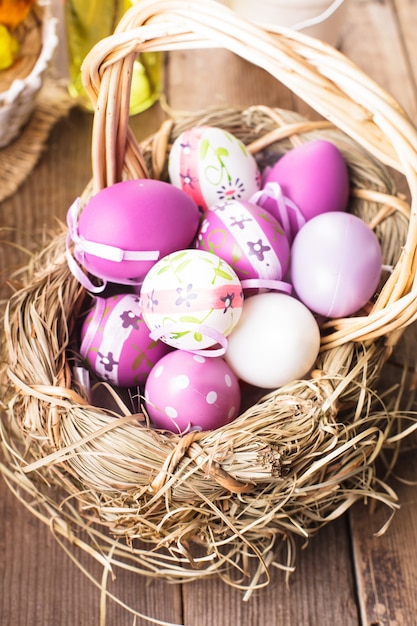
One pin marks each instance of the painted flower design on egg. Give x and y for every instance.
(185, 295)
(151, 301)
(129, 318)
(257, 248)
(228, 301)
(188, 179)
(232, 191)
(240, 222)
(250, 240)
(108, 361)
(115, 341)
(186, 147)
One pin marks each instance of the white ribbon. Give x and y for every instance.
(266, 283)
(104, 251)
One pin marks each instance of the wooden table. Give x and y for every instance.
(345, 575)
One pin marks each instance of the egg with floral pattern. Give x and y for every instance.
(115, 341)
(191, 299)
(211, 164)
(250, 239)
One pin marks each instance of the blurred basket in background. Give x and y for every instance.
(20, 83)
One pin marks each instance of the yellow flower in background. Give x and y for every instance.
(12, 12)
(8, 47)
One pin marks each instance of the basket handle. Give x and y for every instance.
(313, 70)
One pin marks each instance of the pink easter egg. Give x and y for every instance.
(249, 238)
(125, 228)
(314, 177)
(191, 299)
(115, 341)
(211, 165)
(336, 264)
(186, 391)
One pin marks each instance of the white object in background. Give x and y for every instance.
(318, 18)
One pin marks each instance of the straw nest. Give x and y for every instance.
(21, 82)
(298, 456)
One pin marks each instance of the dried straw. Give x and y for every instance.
(211, 503)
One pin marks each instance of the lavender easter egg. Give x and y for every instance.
(185, 391)
(125, 228)
(314, 177)
(191, 299)
(336, 264)
(248, 238)
(115, 341)
(210, 164)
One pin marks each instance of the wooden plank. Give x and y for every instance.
(39, 583)
(41, 586)
(321, 591)
(372, 39)
(386, 566)
(233, 82)
(406, 15)
(380, 38)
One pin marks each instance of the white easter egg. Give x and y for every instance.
(276, 341)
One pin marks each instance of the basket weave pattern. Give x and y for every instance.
(297, 457)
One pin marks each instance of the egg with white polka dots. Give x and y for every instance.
(211, 165)
(186, 391)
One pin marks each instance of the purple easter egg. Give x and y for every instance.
(186, 391)
(336, 264)
(115, 341)
(248, 238)
(125, 228)
(314, 177)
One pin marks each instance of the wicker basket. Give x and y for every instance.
(20, 84)
(188, 507)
